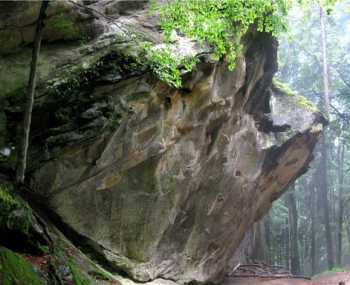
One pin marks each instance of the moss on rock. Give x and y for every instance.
(65, 26)
(301, 101)
(10, 40)
(14, 269)
(78, 277)
(15, 214)
(83, 75)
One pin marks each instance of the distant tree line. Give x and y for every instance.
(308, 229)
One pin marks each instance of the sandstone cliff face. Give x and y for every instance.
(162, 182)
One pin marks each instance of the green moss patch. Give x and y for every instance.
(301, 101)
(64, 24)
(14, 269)
(83, 76)
(15, 214)
(283, 88)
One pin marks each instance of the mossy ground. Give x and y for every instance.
(330, 272)
(14, 269)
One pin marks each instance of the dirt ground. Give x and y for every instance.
(254, 281)
(333, 279)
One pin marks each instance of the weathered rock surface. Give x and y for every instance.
(163, 182)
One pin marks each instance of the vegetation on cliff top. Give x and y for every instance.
(221, 24)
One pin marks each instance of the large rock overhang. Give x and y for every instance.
(163, 182)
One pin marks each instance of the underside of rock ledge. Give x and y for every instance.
(160, 182)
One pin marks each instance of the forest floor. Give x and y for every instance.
(328, 279)
(331, 279)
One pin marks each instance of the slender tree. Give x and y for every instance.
(267, 226)
(347, 221)
(24, 143)
(286, 245)
(260, 247)
(323, 182)
(341, 202)
(313, 229)
(293, 230)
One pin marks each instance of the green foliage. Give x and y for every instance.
(15, 214)
(219, 23)
(14, 269)
(166, 65)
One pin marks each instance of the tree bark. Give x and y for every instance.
(323, 192)
(325, 63)
(288, 245)
(293, 229)
(23, 147)
(341, 203)
(347, 221)
(260, 246)
(313, 230)
(323, 181)
(270, 251)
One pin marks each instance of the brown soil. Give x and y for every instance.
(333, 279)
(257, 281)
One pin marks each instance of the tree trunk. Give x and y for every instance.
(341, 203)
(286, 244)
(23, 147)
(293, 228)
(347, 220)
(260, 250)
(323, 181)
(325, 63)
(323, 192)
(313, 230)
(270, 251)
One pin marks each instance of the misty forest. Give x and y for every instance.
(175, 142)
